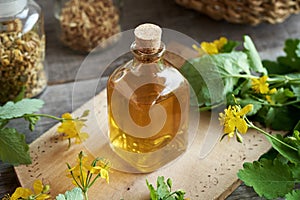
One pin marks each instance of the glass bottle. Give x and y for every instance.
(83, 25)
(148, 105)
(22, 49)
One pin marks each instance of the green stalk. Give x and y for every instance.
(81, 175)
(69, 167)
(85, 195)
(251, 125)
(45, 115)
(92, 183)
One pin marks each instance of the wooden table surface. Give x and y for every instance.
(63, 63)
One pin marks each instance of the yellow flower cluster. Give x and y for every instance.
(71, 128)
(211, 47)
(233, 119)
(82, 172)
(261, 86)
(40, 192)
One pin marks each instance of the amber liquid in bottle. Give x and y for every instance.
(148, 109)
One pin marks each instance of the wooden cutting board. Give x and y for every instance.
(210, 177)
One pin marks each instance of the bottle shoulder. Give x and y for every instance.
(134, 76)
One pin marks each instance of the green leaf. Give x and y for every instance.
(285, 151)
(292, 58)
(162, 187)
(32, 121)
(3, 123)
(163, 190)
(253, 56)
(26, 106)
(230, 46)
(282, 95)
(297, 126)
(13, 148)
(85, 113)
(169, 182)
(294, 195)
(21, 95)
(296, 91)
(212, 77)
(270, 179)
(296, 172)
(281, 118)
(74, 194)
(153, 193)
(274, 67)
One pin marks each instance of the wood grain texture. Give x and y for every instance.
(211, 177)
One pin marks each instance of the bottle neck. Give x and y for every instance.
(10, 8)
(148, 55)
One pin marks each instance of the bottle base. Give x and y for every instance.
(150, 161)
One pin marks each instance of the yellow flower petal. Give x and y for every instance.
(221, 42)
(229, 126)
(104, 174)
(71, 128)
(209, 48)
(43, 197)
(21, 193)
(38, 186)
(260, 85)
(66, 116)
(241, 125)
(246, 110)
(231, 134)
(272, 91)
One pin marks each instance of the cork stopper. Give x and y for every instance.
(148, 36)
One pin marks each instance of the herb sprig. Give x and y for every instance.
(216, 77)
(263, 91)
(164, 190)
(13, 147)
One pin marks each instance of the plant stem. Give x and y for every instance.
(92, 183)
(86, 195)
(45, 115)
(251, 125)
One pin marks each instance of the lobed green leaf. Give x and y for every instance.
(253, 56)
(74, 194)
(294, 195)
(14, 110)
(13, 148)
(270, 179)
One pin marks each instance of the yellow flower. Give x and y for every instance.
(233, 119)
(71, 128)
(82, 172)
(221, 42)
(102, 168)
(260, 85)
(211, 47)
(39, 192)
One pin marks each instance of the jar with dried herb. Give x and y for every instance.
(22, 49)
(85, 25)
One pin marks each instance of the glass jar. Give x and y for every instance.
(84, 25)
(148, 105)
(22, 49)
